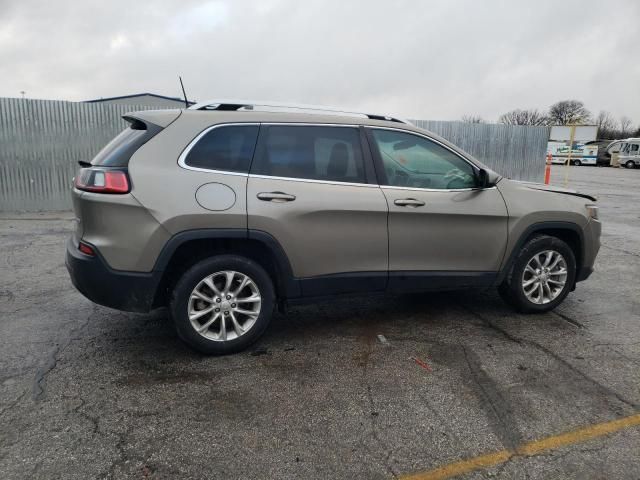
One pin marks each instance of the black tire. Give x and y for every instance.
(182, 291)
(577, 163)
(630, 164)
(511, 289)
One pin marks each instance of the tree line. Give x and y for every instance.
(567, 112)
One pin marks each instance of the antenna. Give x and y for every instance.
(186, 102)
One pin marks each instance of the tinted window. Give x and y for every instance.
(413, 161)
(224, 148)
(119, 150)
(316, 153)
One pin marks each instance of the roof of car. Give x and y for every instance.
(280, 107)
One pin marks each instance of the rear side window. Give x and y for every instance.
(315, 153)
(229, 148)
(119, 150)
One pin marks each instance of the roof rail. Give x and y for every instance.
(269, 106)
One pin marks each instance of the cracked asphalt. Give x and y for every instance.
(89, 392)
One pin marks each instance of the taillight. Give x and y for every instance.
(101, 180)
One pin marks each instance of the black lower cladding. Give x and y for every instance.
(395, 282)
(584, 273)
(137, 292)
(438, 280)
(128, 291)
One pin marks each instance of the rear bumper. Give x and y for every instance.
(128, 291)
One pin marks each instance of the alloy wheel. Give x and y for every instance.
(224, 306)
(544, 277)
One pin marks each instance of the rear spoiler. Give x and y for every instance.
(160, 118)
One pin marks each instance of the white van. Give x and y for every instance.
(630, 153)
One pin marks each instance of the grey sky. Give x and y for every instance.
(418, 59)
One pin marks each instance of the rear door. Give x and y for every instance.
(311, 187)
(443, 230)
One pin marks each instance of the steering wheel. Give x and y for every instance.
(457, 179)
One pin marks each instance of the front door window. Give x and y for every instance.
(413, 161)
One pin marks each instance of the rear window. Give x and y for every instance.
(310, 152)
(119, 150)
(229, 148)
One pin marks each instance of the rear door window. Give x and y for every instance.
(329, 153)
(228, 148)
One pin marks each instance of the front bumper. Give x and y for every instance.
(592, 233)
(128, 291)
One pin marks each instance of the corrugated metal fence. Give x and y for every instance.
(515, 151)
(41, 142)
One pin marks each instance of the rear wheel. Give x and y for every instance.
(541, 276)
(577, 163)
(222, 304)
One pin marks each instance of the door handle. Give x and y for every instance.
(409, 202)
(277, 197)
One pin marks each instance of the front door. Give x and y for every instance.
(443, 230)
(308, 188)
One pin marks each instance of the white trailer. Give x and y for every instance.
(565, 143)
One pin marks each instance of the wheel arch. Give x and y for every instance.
(185, 249)
(569, 232)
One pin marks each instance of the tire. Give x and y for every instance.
(577, 163)
(216, 340)
(630, 164)
(512, 289)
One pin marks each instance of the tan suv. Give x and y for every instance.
(224, 211)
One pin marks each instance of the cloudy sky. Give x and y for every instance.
(418, 58)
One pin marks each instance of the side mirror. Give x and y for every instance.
(483, 178)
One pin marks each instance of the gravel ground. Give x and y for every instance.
(89, 392)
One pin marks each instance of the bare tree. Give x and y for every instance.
(472, 119)
(607, 126)
(625, 127)
(568, 112)
(523, 117)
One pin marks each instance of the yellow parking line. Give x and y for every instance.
(527, 449)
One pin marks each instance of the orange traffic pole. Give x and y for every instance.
(547, 169)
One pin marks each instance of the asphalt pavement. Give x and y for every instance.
(358, 388)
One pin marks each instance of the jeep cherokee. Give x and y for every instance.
(225, 210)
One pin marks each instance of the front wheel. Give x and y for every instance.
(630, 164)
(541, 275)
(577, 163)
(222, 304)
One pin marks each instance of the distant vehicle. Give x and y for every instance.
(581, 153)
(574, 141)
(630, 153)
(605, 149)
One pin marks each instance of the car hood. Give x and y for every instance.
(554, 189)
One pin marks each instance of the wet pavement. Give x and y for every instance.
(89, 392)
